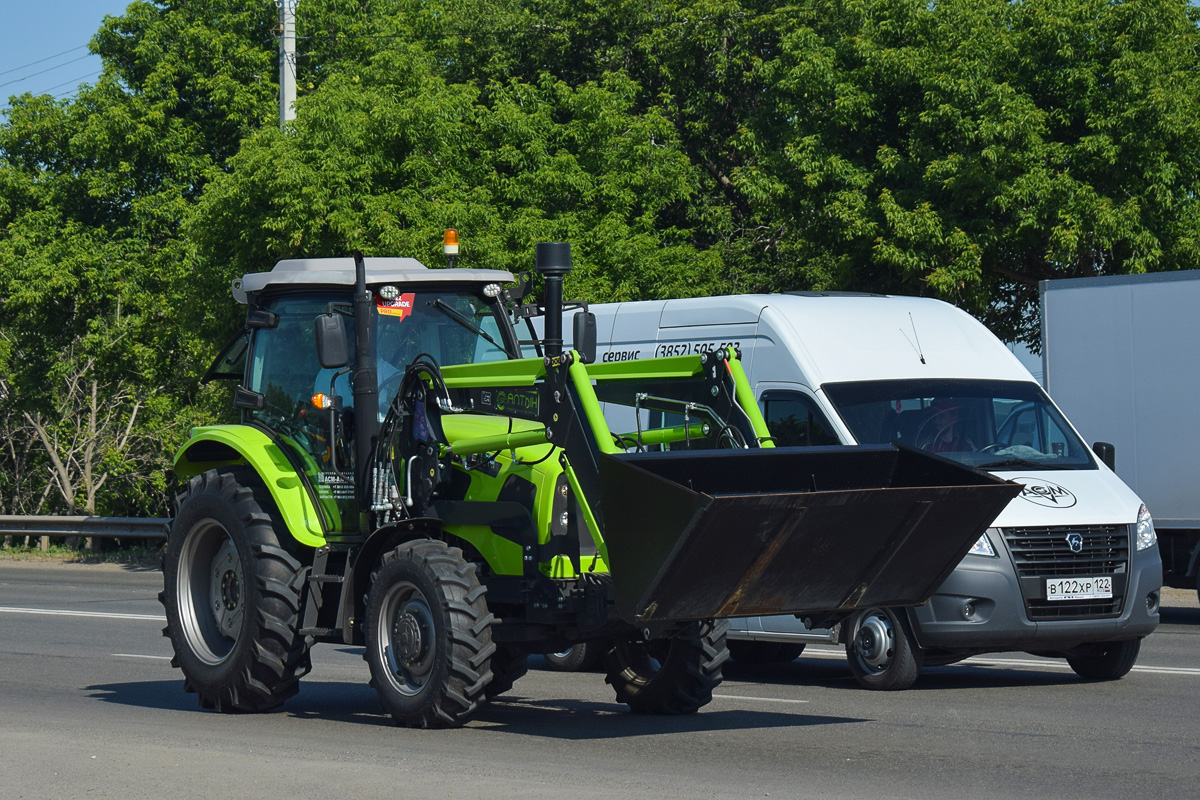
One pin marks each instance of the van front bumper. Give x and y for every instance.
(980, 608)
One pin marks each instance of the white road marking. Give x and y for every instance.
(58, 612)
(1029, 663)
(138, 655)
(759, 699)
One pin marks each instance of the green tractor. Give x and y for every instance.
(404, 480)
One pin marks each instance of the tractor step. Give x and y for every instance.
(322, 633)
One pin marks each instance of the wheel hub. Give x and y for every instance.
(225, 589)
(408, 638)
(875, 642)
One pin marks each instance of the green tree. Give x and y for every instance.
(97, 281)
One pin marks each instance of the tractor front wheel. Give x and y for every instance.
(232, 595)
(668, 676)
(429, 638)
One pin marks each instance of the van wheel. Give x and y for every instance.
(746, 652)
(1107, 661)
(881, 650)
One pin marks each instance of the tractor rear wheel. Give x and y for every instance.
(579, 657)
(668, 676)
(429, 638)
(232, 595)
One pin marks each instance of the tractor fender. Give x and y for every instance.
(227, 445)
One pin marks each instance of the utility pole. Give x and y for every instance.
(287, 60)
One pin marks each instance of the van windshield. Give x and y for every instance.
(994, 425)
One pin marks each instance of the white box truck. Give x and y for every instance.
(1069, 569)
(1121, 355)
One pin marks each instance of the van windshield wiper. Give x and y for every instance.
(1022, 462)
(456, 315)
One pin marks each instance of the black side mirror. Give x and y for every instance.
(333, 347)
(261, 318)
(585, 336)
(1106, 453)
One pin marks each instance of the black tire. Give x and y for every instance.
(747, 652)
(429, 637)
(881, 650)
(509, 664)
(579, 657)
(1106, 661)
(232, 595)
(668, 676)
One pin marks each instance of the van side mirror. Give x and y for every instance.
(585, 336)
(333, 347)
(1106, 453)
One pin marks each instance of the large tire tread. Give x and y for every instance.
(688, 672)
(467, 669)
(265, 669)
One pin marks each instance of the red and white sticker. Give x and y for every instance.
(400, 308)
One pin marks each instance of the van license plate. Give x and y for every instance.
(1079, 588)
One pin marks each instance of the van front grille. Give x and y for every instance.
(1041, 553)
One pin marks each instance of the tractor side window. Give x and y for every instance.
(795, 420)
(285, 370)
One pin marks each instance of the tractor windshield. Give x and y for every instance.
(444, 327)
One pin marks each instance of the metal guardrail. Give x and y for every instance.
(97, 527)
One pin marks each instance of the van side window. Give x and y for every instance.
(795, 420)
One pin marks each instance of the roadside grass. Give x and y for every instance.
(140, 554)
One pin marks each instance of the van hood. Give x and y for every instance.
(1068, 497)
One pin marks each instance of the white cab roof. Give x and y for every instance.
(340, 272)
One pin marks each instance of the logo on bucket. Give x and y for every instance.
(1044, 493)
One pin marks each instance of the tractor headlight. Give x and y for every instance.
(1146, 537)
(983, 547)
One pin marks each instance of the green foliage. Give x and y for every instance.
(958, 149)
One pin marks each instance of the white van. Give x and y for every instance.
(1070, 568)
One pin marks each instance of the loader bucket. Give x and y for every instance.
(814, 530)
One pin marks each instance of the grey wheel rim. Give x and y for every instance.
(875, 642)
(210, 586)
(406, 638)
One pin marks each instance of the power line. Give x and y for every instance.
(73, 80)
(40, 60)
(43, 72)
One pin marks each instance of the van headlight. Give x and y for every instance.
(983, 547)
(1146, 537)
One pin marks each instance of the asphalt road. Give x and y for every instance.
(90, 707)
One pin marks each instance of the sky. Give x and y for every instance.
(58, 32)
